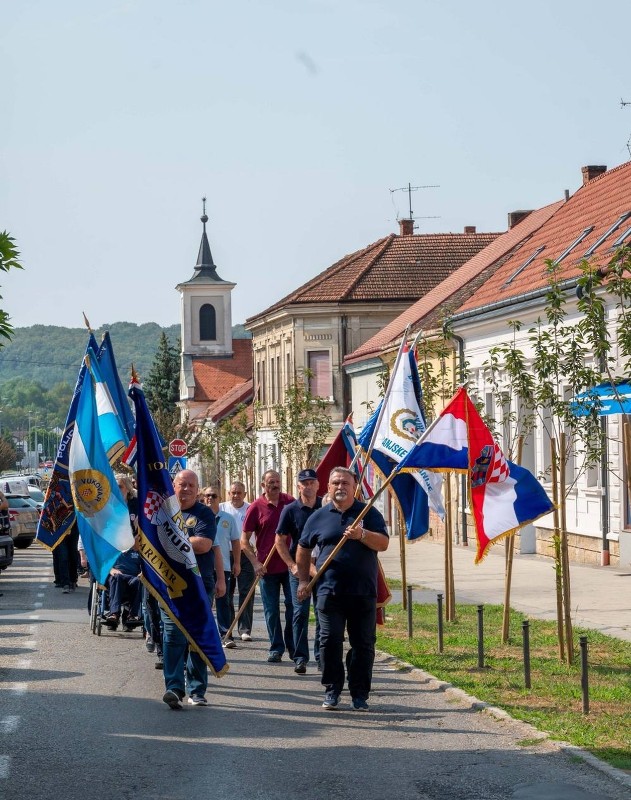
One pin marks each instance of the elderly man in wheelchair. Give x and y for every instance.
(125, 591)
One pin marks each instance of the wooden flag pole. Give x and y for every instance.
(509, 554)
(404, 574)
(557, 548)
(565, 558)
(228, 633)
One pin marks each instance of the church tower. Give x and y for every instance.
(216, 370)
(206, 308)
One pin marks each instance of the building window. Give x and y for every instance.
(320, 377)
(207, 323)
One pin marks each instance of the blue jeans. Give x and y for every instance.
(359, 614)
(300, 623)
(270, 595)
(174, 654)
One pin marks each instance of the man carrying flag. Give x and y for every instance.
(178, 558)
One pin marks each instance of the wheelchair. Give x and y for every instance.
(99, 610)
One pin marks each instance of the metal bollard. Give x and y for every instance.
(584, 678)
(525, 635)
(410, 625)
(480, 637)
(439, 601)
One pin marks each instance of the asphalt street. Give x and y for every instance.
(81, 716)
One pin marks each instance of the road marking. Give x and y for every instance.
(31, 645)
(41, 594)
(4, 766)
(34, 616)
(38, 605)
(18, 688)
(9, 724)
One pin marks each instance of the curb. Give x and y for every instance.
(499, 713)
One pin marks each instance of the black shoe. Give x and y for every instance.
(66, 589)
(274, 658)
(300, 668)
(359, 704)
(331, 701)
(319, 665)
(150, 644)
(172, 699)
(159, 662)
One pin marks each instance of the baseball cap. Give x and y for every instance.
(307, 475)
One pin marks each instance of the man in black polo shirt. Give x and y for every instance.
(347, 590)
(290, 525)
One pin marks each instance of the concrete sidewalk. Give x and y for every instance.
(600, 596)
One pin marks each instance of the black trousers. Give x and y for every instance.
(359, 615)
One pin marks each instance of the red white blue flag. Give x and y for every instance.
(503, 496)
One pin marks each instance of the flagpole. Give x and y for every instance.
(382, 408)
(237, 616)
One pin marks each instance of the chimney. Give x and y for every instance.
(515, 217)
(591, 172)
(406, 227)
(469, 228)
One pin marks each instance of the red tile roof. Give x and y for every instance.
(241, 393)
(215, 377)
(456, 287)
(396, 268)
(599, 203)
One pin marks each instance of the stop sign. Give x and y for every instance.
(177, 448)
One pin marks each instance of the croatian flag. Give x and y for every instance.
(503, 496)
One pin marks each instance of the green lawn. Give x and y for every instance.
(554, 703)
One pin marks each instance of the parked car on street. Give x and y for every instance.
(24, 516)
(37, 496)
(6, 539)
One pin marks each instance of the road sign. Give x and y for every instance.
(177, 448)
(176, 465)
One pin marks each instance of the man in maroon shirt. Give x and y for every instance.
(261, 520)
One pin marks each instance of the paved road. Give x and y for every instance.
(81, 716)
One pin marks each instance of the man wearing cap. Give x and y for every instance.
(292, 520)
(261, 521)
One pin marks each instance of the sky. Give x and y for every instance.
(296, 119)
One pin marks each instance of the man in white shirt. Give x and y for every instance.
(237, 506)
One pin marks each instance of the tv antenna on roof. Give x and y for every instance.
(409, 189)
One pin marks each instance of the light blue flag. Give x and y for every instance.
(109, 372)
(113, 435)
(102, 514)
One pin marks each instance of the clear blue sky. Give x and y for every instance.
(295, 118)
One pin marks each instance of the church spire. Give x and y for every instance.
(205, 267)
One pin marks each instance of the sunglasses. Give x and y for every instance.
(212, 496)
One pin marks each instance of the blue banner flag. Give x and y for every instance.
(107, 365)
(169, 566)
(113, 436)
(58, 512)
(102, 514)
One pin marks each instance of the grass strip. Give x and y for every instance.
(554, 703)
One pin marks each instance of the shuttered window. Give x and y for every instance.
(319, 365)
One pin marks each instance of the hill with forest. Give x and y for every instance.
(49, 354)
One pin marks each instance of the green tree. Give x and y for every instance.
(7, 454)
(162, 388)
(563, 359)
(9, 259)
(230, 448)
(302, 427)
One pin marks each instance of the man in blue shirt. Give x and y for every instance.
(199, 523)
(290, 526)
(347, 590)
